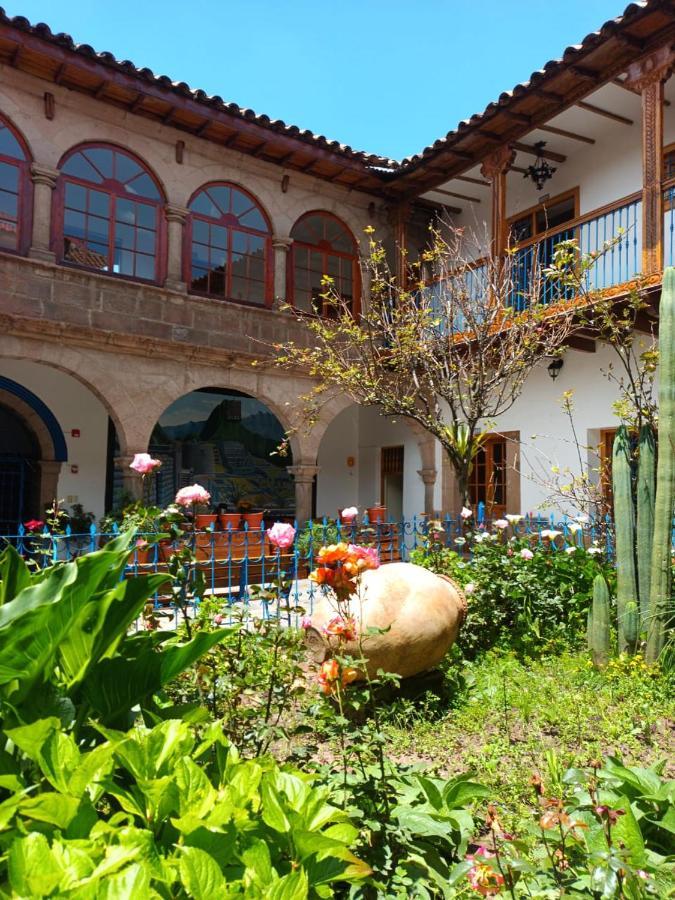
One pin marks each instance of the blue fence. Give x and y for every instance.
(235, 563)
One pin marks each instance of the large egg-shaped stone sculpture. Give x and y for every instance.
(421, 611)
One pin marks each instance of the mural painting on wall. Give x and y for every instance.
(226, 442)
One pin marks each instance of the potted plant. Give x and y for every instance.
(228, 520)
(377, 514)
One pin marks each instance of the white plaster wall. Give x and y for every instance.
(545, 432)
(361, 433)
(74, 406)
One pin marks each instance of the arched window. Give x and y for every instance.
(230, 246)
(111, 213)
(14, 189)
(323, 245)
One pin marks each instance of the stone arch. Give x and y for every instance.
(37, 416)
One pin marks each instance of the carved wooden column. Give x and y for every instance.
(175, 217)
(494, 169)
(647, 76)
(44, 181)
(281, 246)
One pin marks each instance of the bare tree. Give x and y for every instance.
(451, 350)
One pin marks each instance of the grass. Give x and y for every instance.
(504, 719)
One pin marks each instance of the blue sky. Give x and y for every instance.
(387, 77)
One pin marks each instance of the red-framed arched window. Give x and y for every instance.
(229, 242)
(15, 189)
(109, 209)
(322, 245)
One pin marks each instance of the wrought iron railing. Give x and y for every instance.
(233, 563)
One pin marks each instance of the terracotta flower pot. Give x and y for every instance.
(233, 520)
(204, 520)
(376, 514)
(253, 520)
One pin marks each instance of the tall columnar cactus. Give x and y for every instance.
(598, 623)
(659, 598)
(646, 489)
(624, 524)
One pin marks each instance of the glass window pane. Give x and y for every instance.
(102, 160)
(146, 215)
(253, 219)
(220, 200)
(8, 234)
(145, 240)
(309, 230)
(8, 205)
(79, 167)
(99, 203)
(9, 177)
(124, 236)
(126, 168)
(240, 202)
(200, 255)
(200, 231)
(256, 245)
(200, 279)
(76, 196)
(256, 292)
(218, 258)
(218, 236)
(98, 229)
(203, 205)
(123, 262)
(143, 186)
(9, 145)
(145, 266)
(74, 223)
(238, 291)
(217, 282)
(239, 242)
(125, 211)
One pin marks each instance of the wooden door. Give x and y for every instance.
(488, 482)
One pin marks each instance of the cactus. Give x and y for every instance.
(624, 524)
(598, 623)
(631, 625)
(645, 517)
(659, 597)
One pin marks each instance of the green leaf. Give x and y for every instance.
(294, 886)
(32, 869)
(460, 793)
(200, 874)
(14, 574)
(272, 810)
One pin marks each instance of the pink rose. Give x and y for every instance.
(349, 514)
(369, 556)
(501, 524)
(306, 622)
(218, 619)
(526, 554)
(469, 588)
(194, 493)
(143, 463)
(281, 535)
(466, 513)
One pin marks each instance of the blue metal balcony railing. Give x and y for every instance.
(621, 223)
(669, 226)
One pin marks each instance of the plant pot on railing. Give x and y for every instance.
(376, 514)
(229, 520)
(205, 520)
(253, 519)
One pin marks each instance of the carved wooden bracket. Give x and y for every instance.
(655, 68)
(498, 163)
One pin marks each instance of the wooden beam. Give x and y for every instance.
(100, 90)
(60, 72)
(563, 132)
(619, 82)
(547, 95)
(490, 135)
(516, 116)
(471, 180)
(599, 111)
(519, 169)
(583, 72)
(201, 130)
(584, 345)
(167, 118)
(458, 196)
(629, 40)
(547, 154)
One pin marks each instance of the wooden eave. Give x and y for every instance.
(556, 88)
(238, 131)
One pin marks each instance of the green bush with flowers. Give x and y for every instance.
(530, 593)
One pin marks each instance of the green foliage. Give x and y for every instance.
(645, 492)
(159, 812)
(660, 600)
(531, 605)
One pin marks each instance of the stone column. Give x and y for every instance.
(647, 77)
(44, 181)
(494, 169)
(304, 476)
(49, 481)
(131, 481)
(175, 217)
(428, 476)
(282, 246)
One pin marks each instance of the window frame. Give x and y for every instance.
(532, 211)
(108, 187)
(24, 193)
(356, 271)
(268, 239)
